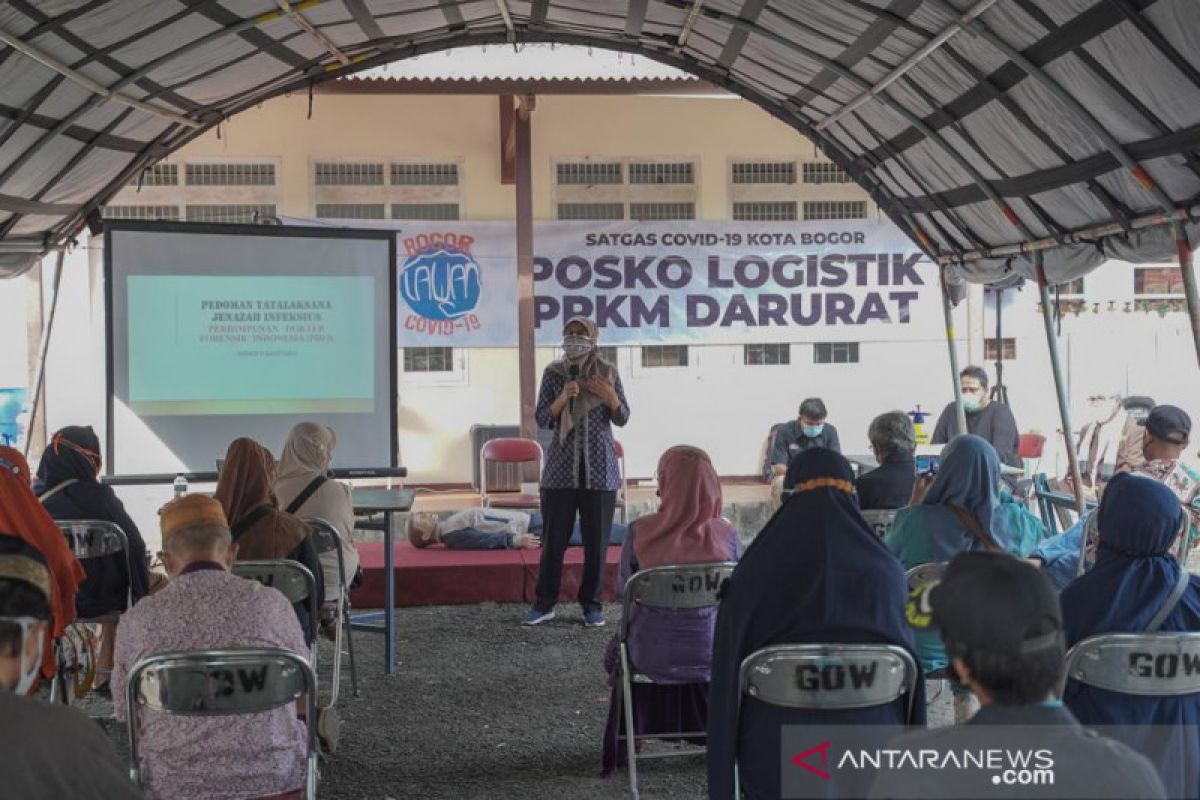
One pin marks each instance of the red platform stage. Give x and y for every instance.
(436, 576)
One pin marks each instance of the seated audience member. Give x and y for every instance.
(993, 421)
(1129, 590)
(39, 740)
(794, 437)
(489, 529)
(206, 608)
(1002, 626)
(890, 484)
(260, 530)
(68, 487)
(1165, 435)
(22, 516)
(305, 489)
(817, 573)
(960, 509)
(673, 648)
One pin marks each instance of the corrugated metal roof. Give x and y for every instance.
(532, 62)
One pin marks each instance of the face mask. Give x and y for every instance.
(812, 431)
(576, 346)
(29, 672)
(971, 403)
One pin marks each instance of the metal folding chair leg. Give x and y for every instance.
(630, 731)
(349, 630)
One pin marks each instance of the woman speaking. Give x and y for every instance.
(580, 399)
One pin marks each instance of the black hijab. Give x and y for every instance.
(73, 453)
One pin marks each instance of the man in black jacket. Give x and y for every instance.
(993, 421)
(890, 484)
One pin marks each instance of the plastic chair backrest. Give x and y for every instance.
(511, 451)
(829, 676)
(1031, 445)
(222, 682)
(880, 519)
(1143, 664)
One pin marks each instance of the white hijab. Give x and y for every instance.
(307, 454)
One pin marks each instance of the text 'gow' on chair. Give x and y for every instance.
(326, 540)
(687, 586)
(508, 451)
(219, 683)
(1139, 664)
(880, 519)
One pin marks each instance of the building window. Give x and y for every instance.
(1157, 280)
(660, 173)
(989, 349)
(141, 212)
(835, 209)
(835, 353)
(587, 173)
(351, 211)
(644, 212)
(578, 211)
(665, 355)
(229, 214)
(824, 172)
(765, 211)
(341, 174)
(765, 172)
(766, 354)
(424, 174)
(429, 359)
(1074, 287)
(230, 174)
(432, 211)
(157, 175)
(608, 353)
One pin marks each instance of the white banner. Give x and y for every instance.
(670, 282)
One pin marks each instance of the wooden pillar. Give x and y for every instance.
(524, 221)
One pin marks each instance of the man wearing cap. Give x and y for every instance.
(1166, 432)
(204, 607)
(35, 736)
(1002, 626)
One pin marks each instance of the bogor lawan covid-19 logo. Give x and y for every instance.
(441, 282)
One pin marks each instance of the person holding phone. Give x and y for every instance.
(580, 399)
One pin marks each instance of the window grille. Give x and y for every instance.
(234, 214)
(824, 172)
(585, 211)
(767, 354)
(429, 359)
(645, 212)
(1157, 280)
(140, 212)
(662, 173)
(351, 211)
(765, 211)
(665, 355)
(765, 172)
(835, 209)
(588, 173)
(424, 174)
(230, 174)
(346, 174)
(157, 175)
(835, 353)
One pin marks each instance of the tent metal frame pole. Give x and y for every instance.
(948, 311)
(1080, 236)
(1060, 390)
(523, 167)
(44, 350)
(1188, 270)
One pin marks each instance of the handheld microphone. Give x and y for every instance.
(574, 373)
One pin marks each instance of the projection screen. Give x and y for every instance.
(221, 331)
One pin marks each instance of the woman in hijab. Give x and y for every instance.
(817, 573)
(1135, 578)
(260, 530)
(305, 489)
(674, 648)
(581, 398)
(961, 510)
(21, 515)
(67, 486)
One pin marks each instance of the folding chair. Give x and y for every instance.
(780, 675)
(223, 682)
(1055, 508)
(880, 519)
(675, 587)
(923, 574)
(1139, 664)
(91, 539)
(508, 451)
(326, 540)
(1030, 447)
(297, 584)
(623, 492)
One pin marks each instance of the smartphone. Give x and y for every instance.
(927, 466)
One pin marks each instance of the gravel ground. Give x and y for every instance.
(481, 707)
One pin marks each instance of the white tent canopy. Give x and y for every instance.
(978, 127)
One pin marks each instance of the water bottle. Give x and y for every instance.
(918, 419)
(180, 486)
